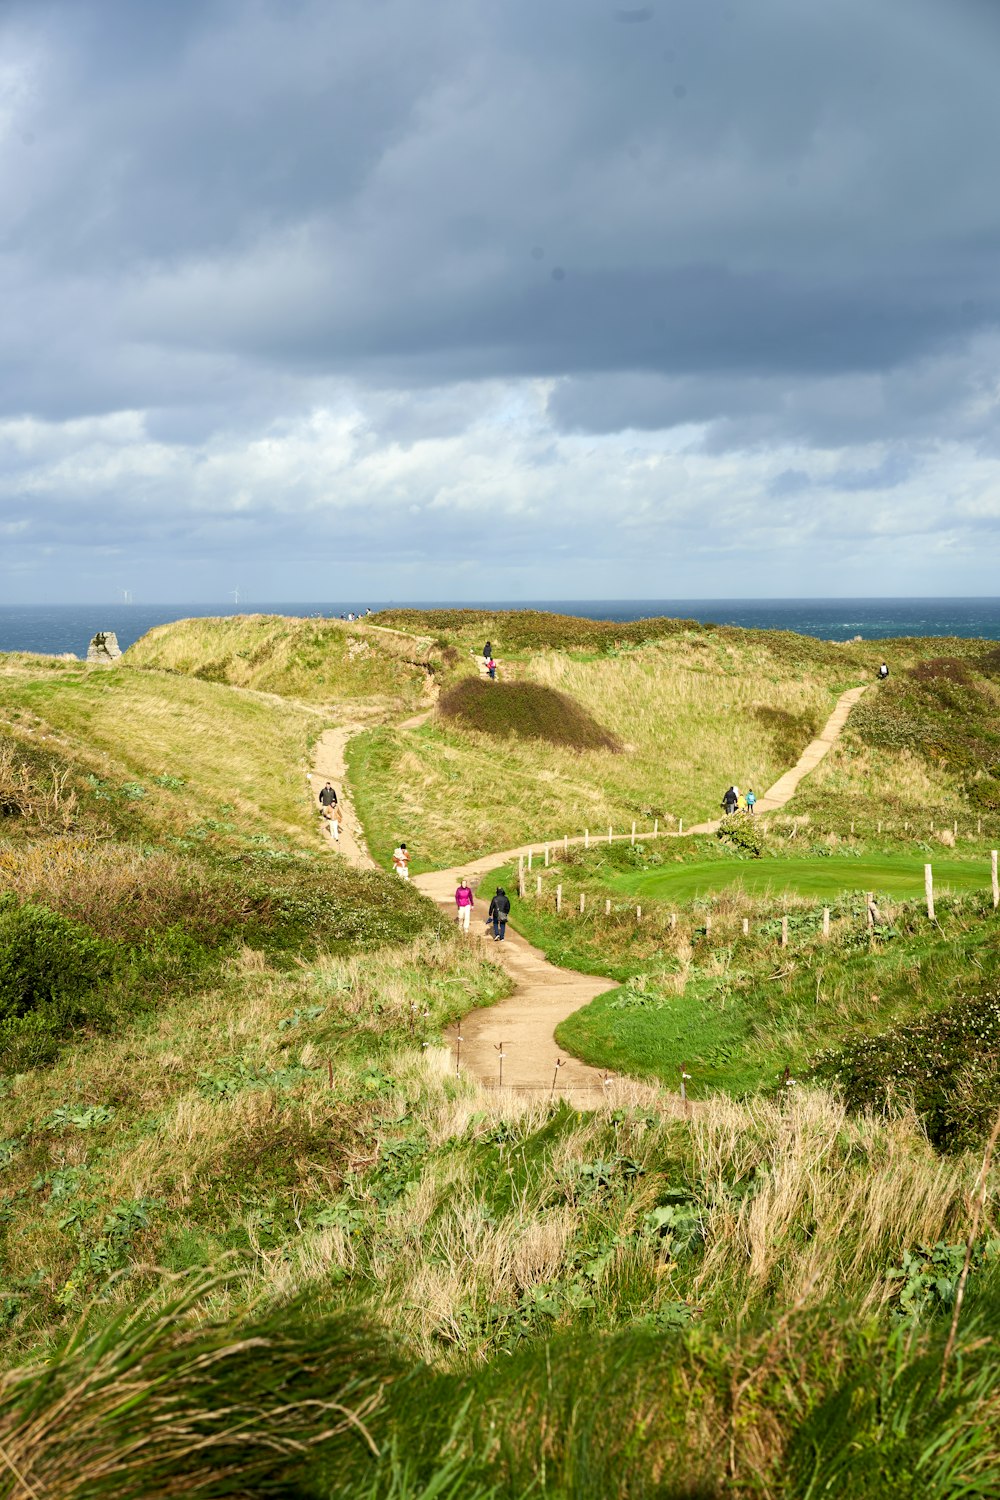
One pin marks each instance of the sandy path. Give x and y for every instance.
(523, 1025)
(329, 764)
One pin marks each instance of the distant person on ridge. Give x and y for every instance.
(328, 796)
(883, 672)
(730, 801)
(750, 799)
(401, 861)
(465, 901)
(499, 912)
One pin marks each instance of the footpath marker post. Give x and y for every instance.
(656, 828)
(530, 852)
(784, 932)
(929, 891)
(538, 885)
(638, 914)
(583, 902)
(680, 825)
(586, 838)
(746, 926)
(826, 922)
(609, 833)
(546, 856)
(520, 876)
(870, 908)
(993, 878)
(607, 907)
(558, 898)
(708, 924)
(632, 839)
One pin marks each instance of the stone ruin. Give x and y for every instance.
(104, 649)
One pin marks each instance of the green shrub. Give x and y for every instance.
(948, 1067)
(47, 963)
(525, 711)
(742, 831)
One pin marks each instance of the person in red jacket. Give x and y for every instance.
(464, 901)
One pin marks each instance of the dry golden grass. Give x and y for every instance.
(314, 660)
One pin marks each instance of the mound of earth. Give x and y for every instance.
(525, 711)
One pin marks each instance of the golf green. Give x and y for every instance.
(896, 876)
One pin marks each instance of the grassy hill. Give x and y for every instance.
(249, 1214)
(313, 660)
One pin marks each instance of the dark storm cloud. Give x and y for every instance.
(769, 228)
(362, 186)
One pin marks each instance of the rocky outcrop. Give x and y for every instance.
(104, 650)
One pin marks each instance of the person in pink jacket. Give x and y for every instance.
(464, 901)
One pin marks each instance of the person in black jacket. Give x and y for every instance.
(500, 911)
(328, 796)
(487, 651)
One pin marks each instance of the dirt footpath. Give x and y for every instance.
(329, 764)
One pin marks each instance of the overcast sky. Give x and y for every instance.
(528, 298)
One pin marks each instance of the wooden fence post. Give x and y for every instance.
(520, 876)
(784, 932)
(546, 856)
(993, 878)
(538, 885)
(852, 826)
(632, 839)
(708, 923)
(826, 921)
(586, 838)
(880, 825)
(638, 914)
(680, 825)
(979, 826)
(607, 907)
(609, 833)
(746, 926)
(673, 921)
(656, 828)
(558, 898)
(530, 852)
(583, 902)
(565, 843)
(929, 891)
(870, 908)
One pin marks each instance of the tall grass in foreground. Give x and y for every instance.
(156, 1403)
(815, 1402)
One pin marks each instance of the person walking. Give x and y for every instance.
(333, 818)
(491, 668)
(328, 796)
(464, 901)
(401, 861)
(750, 799)
(730, 801)
(883, 672)
(499, 912)
(487, 651)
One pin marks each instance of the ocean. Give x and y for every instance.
(59, 628)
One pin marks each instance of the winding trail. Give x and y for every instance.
(522, 1026)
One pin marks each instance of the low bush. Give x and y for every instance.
(743, 831)
(46, 962)
(525, 711)
(946, 1067)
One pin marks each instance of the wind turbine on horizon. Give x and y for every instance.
(126, 595)
(236, 596)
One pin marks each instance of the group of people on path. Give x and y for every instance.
(330, 811)
(491, 666)
(498, 913)
(736, 801)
